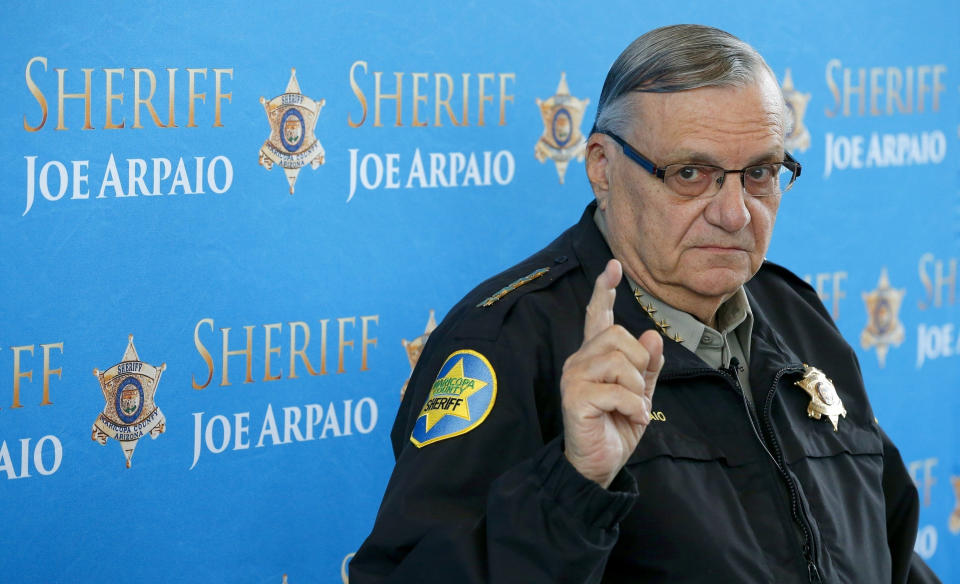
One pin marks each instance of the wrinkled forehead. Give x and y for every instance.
(755, 108)
(772, 94)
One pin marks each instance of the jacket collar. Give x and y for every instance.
(769, 352)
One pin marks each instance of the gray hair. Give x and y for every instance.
(675, 58)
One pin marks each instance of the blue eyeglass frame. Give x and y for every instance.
(633, 154)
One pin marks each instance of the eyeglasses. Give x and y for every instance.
(693, 180)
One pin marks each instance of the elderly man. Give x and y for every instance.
(530, 446)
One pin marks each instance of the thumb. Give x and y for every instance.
(652, 341)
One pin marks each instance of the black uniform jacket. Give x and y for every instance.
(713, 493)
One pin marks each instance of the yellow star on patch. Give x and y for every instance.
(448, 396)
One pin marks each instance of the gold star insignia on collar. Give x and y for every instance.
(661, 324)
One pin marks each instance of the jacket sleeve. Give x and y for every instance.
(498, 503)
(903, 509)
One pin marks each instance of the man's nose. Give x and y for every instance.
(728, 208)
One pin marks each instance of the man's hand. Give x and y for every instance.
(607, 387)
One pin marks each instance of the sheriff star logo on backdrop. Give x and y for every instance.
(883, 318)
(292, 143)
(415, 347)
(561, 140)
(130, 411)
(798, 137)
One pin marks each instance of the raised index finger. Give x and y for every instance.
(599, 315)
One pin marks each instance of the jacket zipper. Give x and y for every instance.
(813, 573)
(796, 511)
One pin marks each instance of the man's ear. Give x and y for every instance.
(598, 167)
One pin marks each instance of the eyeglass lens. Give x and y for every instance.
(692, 180)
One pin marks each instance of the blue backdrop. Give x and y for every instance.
(270, 309)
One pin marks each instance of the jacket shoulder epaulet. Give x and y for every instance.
(521, 281)
(484, 309)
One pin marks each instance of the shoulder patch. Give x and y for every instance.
(513, 286)
(461, 398)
